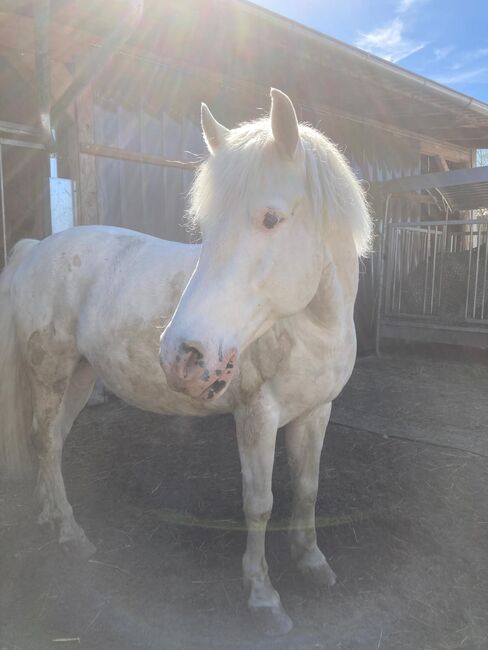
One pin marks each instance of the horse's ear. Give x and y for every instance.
(284, 123)
(213, 132)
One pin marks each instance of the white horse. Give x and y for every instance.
(258, 321)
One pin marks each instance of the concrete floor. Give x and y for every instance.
(402, 512)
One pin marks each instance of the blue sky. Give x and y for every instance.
(445, 40)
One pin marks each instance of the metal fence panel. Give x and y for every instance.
(438, 270)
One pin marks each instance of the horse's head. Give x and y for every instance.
(262, 200)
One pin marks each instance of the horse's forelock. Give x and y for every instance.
(334, 192)
(232, 175)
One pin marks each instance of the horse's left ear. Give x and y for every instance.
(284, 123)
(213, 132)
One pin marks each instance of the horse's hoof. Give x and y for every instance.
(80, 547)
(320, 575)
(274, 621)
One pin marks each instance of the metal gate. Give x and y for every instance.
(436, 282)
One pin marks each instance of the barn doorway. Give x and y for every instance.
(24, 163)
(24, 173)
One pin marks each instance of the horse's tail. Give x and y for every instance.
(15, 392)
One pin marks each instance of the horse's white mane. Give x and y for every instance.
(250, 154)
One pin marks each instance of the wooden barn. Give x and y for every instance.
(100, 101)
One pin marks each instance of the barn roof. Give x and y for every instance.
(426, 106)
(243, 48)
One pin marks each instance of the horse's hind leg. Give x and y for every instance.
(56, 405)
(304, 440)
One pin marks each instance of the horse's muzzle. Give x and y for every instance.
(189, 369)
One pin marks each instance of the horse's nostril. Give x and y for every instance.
(191, 351)
(189, 359)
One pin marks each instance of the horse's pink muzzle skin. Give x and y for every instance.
(189, 370)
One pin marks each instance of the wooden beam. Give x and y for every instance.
(441, 163)
(134, 156)
(430, 147)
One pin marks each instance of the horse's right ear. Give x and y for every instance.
(214, 133)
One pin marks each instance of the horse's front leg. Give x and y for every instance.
(304, 440)
(256, 435)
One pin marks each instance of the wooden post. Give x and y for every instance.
(87, 199)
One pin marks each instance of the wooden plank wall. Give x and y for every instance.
(144, 197)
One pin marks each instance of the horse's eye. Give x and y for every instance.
(271, 219)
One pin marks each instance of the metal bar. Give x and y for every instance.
(455, 177)
(483, 297)
(398, 267)
(404, 320)
(433, 274)
(134, 156)
(453, 222)
(409, 229)
(395, 235)
(2, 207)
(402, 264)
(389, 269)
(441, 266)
(383, 224)
(392, 262)
(476, 273)
(469, 272)
(409, 251)
(427, 251)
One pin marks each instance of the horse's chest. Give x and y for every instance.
(314, 372)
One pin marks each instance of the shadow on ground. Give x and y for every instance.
(404, 523)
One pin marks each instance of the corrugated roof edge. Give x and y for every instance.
(461, 100)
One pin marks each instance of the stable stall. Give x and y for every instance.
(434, 272)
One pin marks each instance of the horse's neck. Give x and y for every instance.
(333, 304)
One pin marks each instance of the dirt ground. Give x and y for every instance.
(402, 513)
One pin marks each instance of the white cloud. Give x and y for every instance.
(441, 53)
(475, 74)
(469, 57)
(388, 42)
(405, 5)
